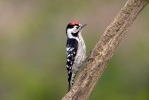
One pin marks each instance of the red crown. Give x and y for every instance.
(74, 22)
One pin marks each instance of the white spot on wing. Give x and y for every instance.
(71, 49)
(68, 55)
(67, 48)
(68, 60)
(67, 66)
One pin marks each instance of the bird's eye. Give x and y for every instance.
(77, 27)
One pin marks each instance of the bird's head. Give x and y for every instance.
(73, 29)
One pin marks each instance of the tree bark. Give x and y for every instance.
(103, 51)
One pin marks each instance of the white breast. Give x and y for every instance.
(81, 53)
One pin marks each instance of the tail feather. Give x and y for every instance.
(69, 81)
(71, 77)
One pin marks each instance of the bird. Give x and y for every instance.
(75, 50)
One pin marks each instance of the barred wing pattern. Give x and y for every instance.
(71, 51)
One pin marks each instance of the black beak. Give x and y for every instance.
(82, 26)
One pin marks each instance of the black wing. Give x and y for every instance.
(71, 50)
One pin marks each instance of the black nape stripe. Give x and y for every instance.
(75, 34)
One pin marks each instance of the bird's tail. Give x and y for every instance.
(71, 77)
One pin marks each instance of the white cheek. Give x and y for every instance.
(69, 33)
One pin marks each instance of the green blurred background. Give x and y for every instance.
(32, 49)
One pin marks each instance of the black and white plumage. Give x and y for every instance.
(75, 50)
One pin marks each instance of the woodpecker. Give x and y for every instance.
(75, 50)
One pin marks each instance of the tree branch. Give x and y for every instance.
(103, 51)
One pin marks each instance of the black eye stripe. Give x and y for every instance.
(77, 27)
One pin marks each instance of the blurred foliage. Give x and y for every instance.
(32, 54)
